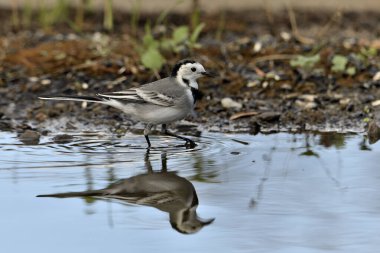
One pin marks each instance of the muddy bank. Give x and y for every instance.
(285, 71)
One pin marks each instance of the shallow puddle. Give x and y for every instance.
(267, 193)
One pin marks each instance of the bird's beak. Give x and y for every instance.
(208, 74)
(207, 221)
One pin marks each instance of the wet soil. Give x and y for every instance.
(251, 52)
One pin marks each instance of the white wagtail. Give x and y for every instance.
(160, 102)
(163, 190)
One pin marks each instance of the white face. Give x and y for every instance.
(191, 71)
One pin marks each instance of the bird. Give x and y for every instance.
(160, 102)
(163, 190)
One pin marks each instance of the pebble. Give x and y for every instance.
(306, 105)
(30, 137)
(286, 86)
(376, 77)
(272, 75)
(63, 138)
(121, 70)
(41, 116)
(344, 101)
(265, 84)
(72, 36)
(376, 103)
(285, 36)
(229, 103)
(373, 132)
(269, 116)
(307, 97)
(253, 83)
(33, 79)
(85, 86)
(257, 47)
(84, 104)
(45, 81)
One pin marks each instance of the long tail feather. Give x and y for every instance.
(102, 100)
(74, 194)
(76, 98)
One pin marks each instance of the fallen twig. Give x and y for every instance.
(243, 114)
(273, 57)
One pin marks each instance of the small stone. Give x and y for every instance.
(344, 101)
(257, 47)
(121, 70)
(265, 84)
(41, 117)
(285, 36)
(373, 132)
(30, 137)
(375, 103)
(272, 75)
(63, 138)
(45, 81)
(33, 79)
(376, 77)
(85, 86)
(70, 126)
(60, 106)
(229, 103)
(134, 70)
(253, 83)
(336, 96)
(243, 41)
(308, 97)
(269, 116)
(367, 85)
(72, 36)
(306, 105)
(291, 96)
(286, 86)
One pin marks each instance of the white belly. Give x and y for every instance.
(155, 114)
(163, 115)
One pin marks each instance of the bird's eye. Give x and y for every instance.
(193, 69)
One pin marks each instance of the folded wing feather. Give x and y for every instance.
(140, 96)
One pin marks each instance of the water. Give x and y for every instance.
(267, 193)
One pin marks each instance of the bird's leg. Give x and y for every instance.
(164, 167)
(146, 133)
(148, 165)
(189, 143)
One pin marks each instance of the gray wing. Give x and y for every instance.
(161, 92)
(150, 199)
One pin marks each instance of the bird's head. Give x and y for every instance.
(188, 71)
(190, 224)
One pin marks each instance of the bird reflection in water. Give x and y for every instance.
(163, 190)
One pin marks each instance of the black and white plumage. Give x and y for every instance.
(160, 102)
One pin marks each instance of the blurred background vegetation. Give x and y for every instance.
(282, 61)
